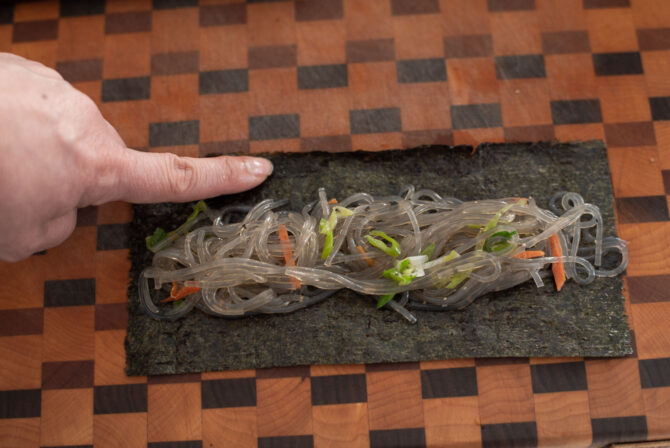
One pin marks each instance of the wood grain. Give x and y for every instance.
(452, 421)
(284, 406)
(657, 406)
(375, 40)
(614, 388)
(341, 425)
(110, 359)
(68, 333)
(25, 369)
(24, 432)
(174, 412)
(229, 427)
(635, 171)
(120, 430)
(653, 339)
(648, 247)
(394, 399)
(505, 394)
(67, 417)
(563, 416)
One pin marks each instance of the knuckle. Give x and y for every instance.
(226, 172)
(75, 114)
(84, 104)
(181, 173)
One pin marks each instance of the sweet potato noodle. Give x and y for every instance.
(416, 250)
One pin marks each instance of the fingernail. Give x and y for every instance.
(258, 166)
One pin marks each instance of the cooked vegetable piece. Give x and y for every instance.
(557, 268)
(392, 249)
(429, 250)
(529, 254)
(367, 259)
(498, 241)
(327, 227)
(176, 294)
(153, 241)
(383, 300)
(288, 251)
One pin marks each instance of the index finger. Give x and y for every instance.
(162, 177)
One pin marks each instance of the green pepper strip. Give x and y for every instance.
(160, 234)
(393, 250)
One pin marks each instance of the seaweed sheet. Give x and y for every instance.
(524, 321)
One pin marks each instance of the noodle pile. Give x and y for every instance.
(414, 251)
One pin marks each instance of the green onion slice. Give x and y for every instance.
(392, 248)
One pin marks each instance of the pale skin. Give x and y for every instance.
(58, 154)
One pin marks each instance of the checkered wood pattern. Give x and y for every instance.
(224, 76)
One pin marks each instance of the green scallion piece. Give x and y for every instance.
(498, 241)
(327, 245)
(327, 227)
(160, 234)
(383, 300)
(429, 251)
(457, 279)
(494, 221)
(392, 248)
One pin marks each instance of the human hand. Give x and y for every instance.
(58, 154)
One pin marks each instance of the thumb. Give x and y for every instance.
(162, 177)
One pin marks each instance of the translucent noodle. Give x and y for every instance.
(448, 253)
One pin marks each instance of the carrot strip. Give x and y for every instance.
(367, 259)
(557, 268)
(180, 294)
(288, 251)
(529, 254)
(285, 245)
(333, 201)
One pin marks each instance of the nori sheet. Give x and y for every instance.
(347, 328)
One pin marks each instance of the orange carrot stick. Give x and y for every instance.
(367, 259)
(529, 254)
(557, 268)
(288, 251)
(333, 201)
(285, 245)
(180, 294)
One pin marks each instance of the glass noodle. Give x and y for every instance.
(416, 250)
